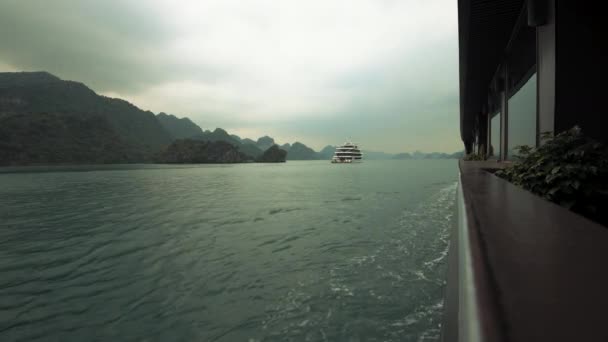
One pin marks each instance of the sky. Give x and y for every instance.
(382, 73)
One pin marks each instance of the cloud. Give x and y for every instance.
(318, 71)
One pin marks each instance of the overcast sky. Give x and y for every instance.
(383, 73)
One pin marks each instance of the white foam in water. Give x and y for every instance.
(384, 274)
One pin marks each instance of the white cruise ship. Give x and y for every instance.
(347, 153)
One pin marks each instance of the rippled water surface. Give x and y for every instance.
(302, 251)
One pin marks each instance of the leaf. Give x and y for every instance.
(567, 203)
(593, 169)
(546, 135)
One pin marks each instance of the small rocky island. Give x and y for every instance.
(273, 155)
(190, 151)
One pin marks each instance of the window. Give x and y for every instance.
(495, 136)
(522, 117)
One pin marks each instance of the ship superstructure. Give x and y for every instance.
(347, 153)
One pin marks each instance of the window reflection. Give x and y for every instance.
(495, 136)
(522, 117)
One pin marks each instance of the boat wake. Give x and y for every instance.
(395, 292)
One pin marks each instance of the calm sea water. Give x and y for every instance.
(301, 251)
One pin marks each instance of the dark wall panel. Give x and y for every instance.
(579, 74)
(546, 72)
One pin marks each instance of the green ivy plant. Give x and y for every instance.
(569, 169)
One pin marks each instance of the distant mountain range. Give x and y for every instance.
(432, 155)
(46, 120)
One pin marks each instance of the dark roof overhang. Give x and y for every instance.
(484, 30)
